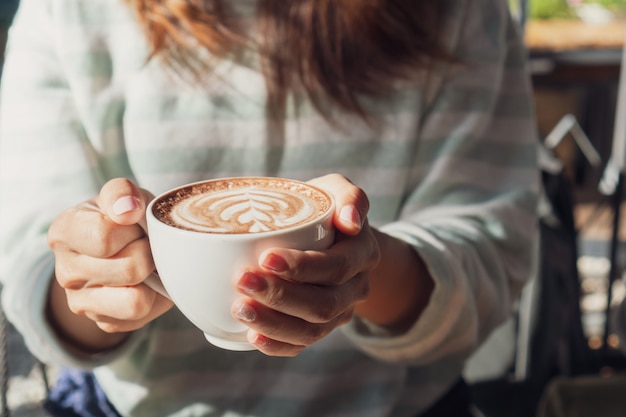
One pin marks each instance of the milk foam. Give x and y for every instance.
(242, 205)
(249, 210)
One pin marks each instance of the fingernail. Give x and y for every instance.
(245, 313)
(274, 263)
(349, 214)
(125, 204)
(256, 339)
(251, 283)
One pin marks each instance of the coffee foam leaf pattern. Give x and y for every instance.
(243, 211)
(243, 208)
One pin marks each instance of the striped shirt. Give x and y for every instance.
(449, 167)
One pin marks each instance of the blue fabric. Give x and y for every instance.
(76, 393)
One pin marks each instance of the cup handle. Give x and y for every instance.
(154, 282)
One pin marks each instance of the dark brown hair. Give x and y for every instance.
(335, 50)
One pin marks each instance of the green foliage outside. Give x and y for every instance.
(547, 9)
(618, 4)
(550, 9)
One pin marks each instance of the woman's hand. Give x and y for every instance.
(102, 256)
(295, 298)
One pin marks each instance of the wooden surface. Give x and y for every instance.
(566, 35)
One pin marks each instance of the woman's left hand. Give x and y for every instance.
(295, 298)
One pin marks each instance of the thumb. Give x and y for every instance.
(123, 202)
(352, 204)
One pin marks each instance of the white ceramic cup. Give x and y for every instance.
(195, 268)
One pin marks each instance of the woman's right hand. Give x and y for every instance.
(102, 257)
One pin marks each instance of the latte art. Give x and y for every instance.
(242, 206)
(242, 211)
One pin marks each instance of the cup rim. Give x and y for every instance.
(151, 218)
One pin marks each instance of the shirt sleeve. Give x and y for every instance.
(46, 165)
(471, 215)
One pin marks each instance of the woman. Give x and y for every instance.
(424, 107)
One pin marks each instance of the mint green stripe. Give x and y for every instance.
(482, 101)
(94, 64)
(495, 152)
(454, 194)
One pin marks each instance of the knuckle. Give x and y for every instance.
(66, 279)
(127, 270)
(103, 246)
(276, 297)
(53, 237)
(342, 267)
(136, 306)
(56, 232)
(132, 272)
(110, 327)
(99, 235)
(328, 310)
(133, 263)
(75, 307)
(314, 334)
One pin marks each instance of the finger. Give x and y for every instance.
(351, 202)
(123, 202)
(281, 327)
(128, 267)
(272, 347)
(87, 230)
(346, 258)
(120, 309)
(312, 303)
